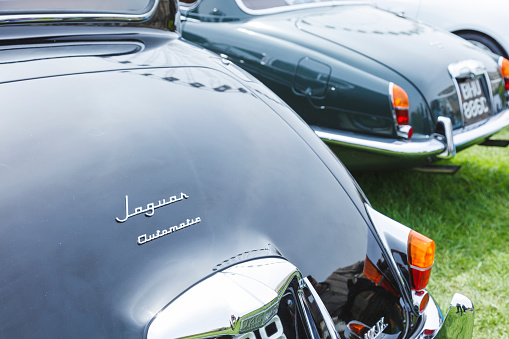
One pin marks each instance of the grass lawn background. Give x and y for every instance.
(467, 215)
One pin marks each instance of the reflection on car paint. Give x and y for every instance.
(358, 306)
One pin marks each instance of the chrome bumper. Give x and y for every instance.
(477, 133)
(404, 148)
(439, 145)
(458, 323)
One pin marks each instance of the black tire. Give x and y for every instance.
(484, 42)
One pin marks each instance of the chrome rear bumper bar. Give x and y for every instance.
(416, 148)
(474, 135)
(441, 145)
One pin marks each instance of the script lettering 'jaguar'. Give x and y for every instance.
(149, 211)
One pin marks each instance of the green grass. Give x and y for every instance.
(467, 215)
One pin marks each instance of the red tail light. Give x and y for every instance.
(400, 106)
(503, 63)
(421, 254)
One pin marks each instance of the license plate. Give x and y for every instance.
(474, 104)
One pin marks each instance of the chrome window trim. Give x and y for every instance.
(141, 46)
(301, 6)
(73, 17)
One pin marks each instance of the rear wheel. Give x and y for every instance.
(483, 41)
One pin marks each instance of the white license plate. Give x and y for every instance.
(474, 104)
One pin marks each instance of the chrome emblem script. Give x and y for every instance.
(376, 330)
(145, 238)
(150, 210)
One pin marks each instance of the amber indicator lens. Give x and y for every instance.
(400, 104)
(421, 250)
(421, 254)
(504, 69)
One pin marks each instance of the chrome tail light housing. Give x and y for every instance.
(261, 298)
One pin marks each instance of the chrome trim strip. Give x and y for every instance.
(329, 323)
(307, 315)
(478, 133)
(27, 18)
(80, 43)
(385, 225)
(421, 269)
(432, 319)
(417, 298)
(415, 148)
(301, 6)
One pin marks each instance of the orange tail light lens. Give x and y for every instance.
(400, 104)
(503, 63)
(421, 255)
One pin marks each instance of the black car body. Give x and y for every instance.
(149, 189)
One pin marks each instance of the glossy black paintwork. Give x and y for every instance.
(92, 114)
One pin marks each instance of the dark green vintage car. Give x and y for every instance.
(380, 90)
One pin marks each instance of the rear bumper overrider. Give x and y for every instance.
(440, 145)
(457, 324)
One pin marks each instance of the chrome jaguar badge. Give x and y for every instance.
(150, 210)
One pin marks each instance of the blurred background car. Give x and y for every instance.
(483, 23)
(380, 90)
(152, 190)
